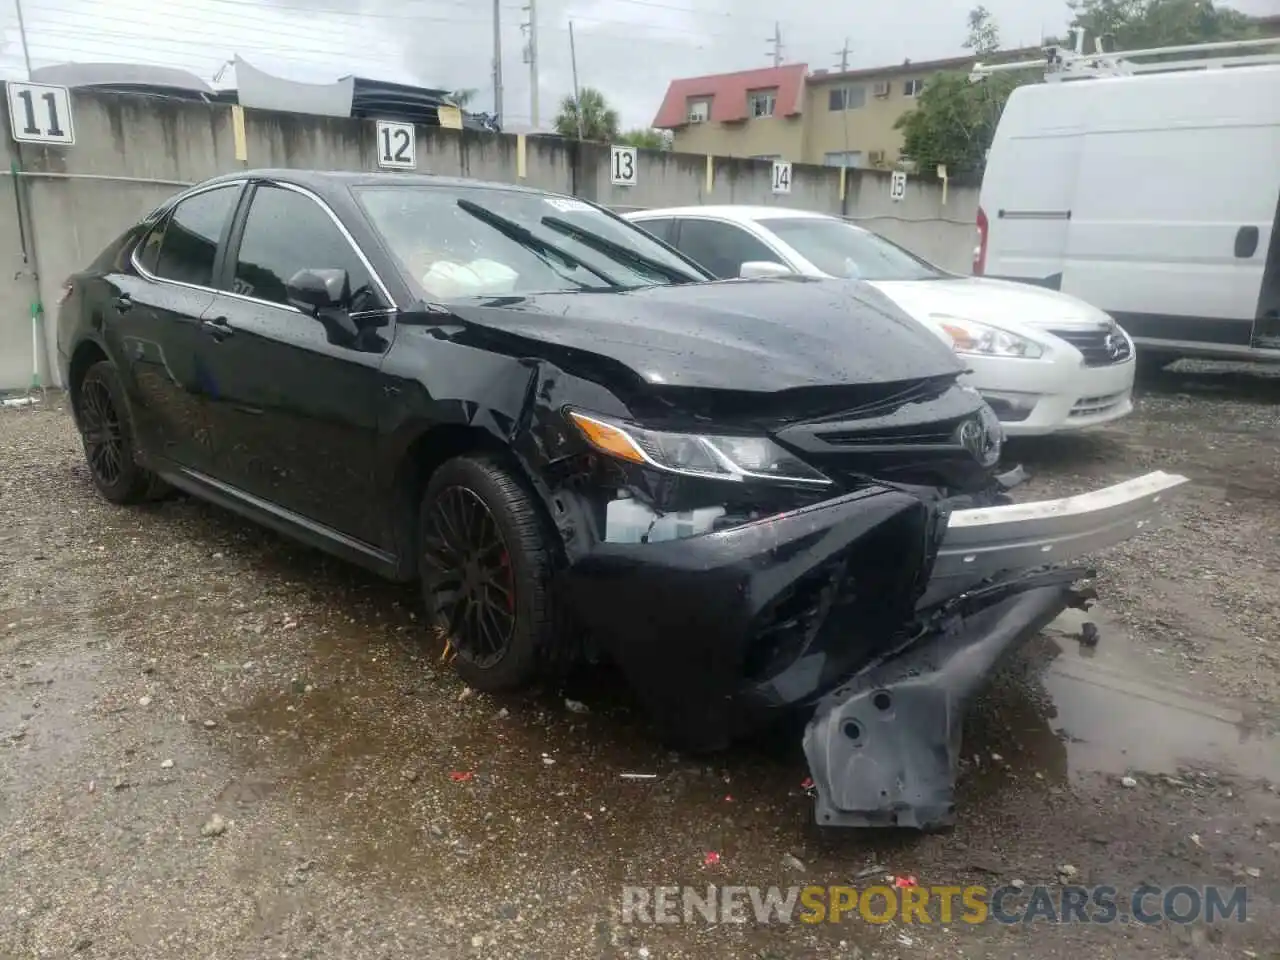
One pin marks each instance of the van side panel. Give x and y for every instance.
(1029, 186)
(1172, 217)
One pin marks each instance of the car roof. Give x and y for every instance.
(323, 180)
(740, 213)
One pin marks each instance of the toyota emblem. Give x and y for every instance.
(1111, 343)
(973, 437)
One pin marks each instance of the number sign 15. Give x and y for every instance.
(40, 113)
(622, 166)
(397, 145)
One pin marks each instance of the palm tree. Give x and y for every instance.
(599, 120)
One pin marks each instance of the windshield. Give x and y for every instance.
(458, 242)
(843, 250)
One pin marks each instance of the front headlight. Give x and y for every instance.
(969, 337)
(695, 454)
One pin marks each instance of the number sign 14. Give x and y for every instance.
(781, 176)
(40, 113)
(397, 145)
(622, 166)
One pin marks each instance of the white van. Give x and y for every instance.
(1154, 196)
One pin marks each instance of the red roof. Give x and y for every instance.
(728, 94)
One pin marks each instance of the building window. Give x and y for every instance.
(847, 98)
(699, 111)
(843, 158)
(760, 103)
(912, 88)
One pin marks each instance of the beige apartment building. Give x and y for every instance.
(833, 118)
(787, 113)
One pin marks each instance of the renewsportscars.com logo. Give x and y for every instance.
(1145, 904)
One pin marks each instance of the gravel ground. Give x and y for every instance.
(214, 743)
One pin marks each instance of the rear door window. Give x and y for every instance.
(189, 247)
(660, 227)
(721, 247)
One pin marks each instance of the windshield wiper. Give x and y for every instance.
(616, 250)
(528, 239)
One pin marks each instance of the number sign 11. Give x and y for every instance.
(40, 113)
(397, 145)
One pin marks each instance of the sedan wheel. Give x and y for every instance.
(485, 563)
(107, 436)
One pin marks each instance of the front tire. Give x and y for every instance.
(106, 433)
(485, 560)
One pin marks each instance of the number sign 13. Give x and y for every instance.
(622, 166)
(397, 145)
(40, 113)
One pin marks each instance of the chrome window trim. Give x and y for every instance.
(360, 255)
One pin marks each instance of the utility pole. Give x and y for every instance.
(843, 54)
(531, 58)
(776, 41)
(22, 36)
(573, 61)
(497, 60)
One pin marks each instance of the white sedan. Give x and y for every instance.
(1043, 360)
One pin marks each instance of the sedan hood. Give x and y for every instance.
(1004, 303)
(747, 335)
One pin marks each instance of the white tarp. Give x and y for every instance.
(265, 92)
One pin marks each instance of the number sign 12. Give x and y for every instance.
(40, 113)
(622, 166)
(397, 145)
(781, 176)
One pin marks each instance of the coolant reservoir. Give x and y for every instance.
(627, 520)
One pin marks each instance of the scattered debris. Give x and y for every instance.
(1195, 838)
(548, 760)
(215, 826)
(711, 859)
(869, 871)
(1067, 872)
(791, 862)
(503, 713)
(996, 758)
(1128, 782)
(166, 764)
(638, 776)
(466, 694)
(576, 706)
(1017, 884)
(461, 776)
(1089, 635)
(906, 881)
(144, 701)
(1253, 872)
(409, 775)
(210, 724)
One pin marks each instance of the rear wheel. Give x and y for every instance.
(485, 562)
(107, 436)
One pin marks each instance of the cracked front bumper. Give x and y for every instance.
(843, 607)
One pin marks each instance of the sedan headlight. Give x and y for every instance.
(696, 454)
(969, 337)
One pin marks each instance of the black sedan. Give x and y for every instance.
(582, 446)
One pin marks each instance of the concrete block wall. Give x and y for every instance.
(133, 152)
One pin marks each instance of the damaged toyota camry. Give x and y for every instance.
(758, 498)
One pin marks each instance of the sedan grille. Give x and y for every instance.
(1100, 348)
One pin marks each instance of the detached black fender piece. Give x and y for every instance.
(884, 748)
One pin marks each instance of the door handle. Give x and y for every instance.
(123, 302)
(218, 328)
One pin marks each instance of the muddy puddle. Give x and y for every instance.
(1117, 711)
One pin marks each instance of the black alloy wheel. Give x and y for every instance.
(104, 444)
(108, 439)
(485, 560)
(474, 589)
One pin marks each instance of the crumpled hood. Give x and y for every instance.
(751, 335)
(1006, 303)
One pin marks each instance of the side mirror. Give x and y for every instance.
(762, 269)
(314, 290)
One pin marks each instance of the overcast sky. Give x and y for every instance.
(630, 49)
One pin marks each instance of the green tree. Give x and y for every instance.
(984, 36)
(954, 120)
(1142, 24)
(644, 138)
(599, 120)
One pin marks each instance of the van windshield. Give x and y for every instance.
(459, 242)
(842, 250)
